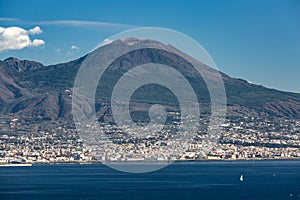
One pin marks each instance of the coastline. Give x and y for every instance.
(16, 165)
(153, 162)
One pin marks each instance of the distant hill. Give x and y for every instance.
(30, 89)
(23, 65)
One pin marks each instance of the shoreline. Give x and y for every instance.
(151, 162)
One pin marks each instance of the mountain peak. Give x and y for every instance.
(22, 65)
(136, 41)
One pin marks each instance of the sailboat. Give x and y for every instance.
(241, 178)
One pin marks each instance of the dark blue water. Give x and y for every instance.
(195, 180)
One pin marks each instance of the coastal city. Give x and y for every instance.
(23, 141)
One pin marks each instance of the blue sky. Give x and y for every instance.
(255, 40)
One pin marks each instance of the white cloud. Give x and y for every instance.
(105, 42)
(85, 23)
(74, 47)
(8, 19)
(37, 42)
(16, 38)
(35, 30)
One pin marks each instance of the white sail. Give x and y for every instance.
(242, 178)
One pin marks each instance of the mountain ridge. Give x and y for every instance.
(30, 89)
(23, 65)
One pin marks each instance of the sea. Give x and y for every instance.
(207, 180)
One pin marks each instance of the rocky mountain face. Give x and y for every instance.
(22, 65)
(9, 88)
(30, 89)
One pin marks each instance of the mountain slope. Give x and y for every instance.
(8, 86)
(29, 89)
(23, 65)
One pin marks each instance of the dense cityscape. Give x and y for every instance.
(23, 141)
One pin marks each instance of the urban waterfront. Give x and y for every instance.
(26, 141)
(268, 180)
